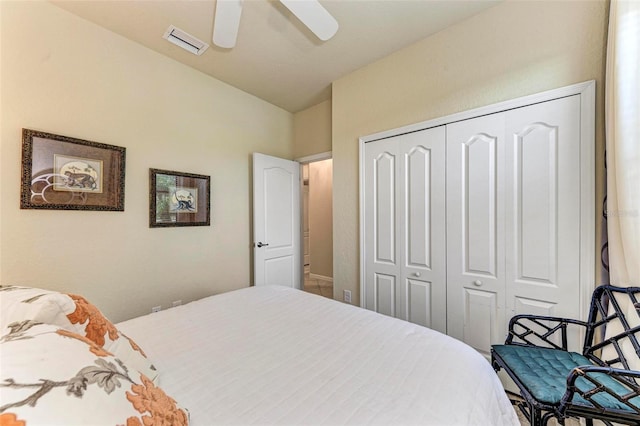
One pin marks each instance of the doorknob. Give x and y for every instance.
(477, 283)
(417, 274)
(260, 244)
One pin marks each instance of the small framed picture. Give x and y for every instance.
(178, 199)
(64, 173)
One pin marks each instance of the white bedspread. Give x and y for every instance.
(274, 355)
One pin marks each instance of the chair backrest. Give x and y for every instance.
(614, 327)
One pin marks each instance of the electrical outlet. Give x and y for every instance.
(176, 303)
(346, 295)
(156, 309)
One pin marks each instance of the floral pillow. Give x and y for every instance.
(23, 303)
(55, 377)
(73, 313)
(89, 321)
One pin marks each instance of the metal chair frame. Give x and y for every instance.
(543, 331)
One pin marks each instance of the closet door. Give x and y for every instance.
(543, 208)
(513, 225)
(405, 258)
(381, 238)
(422, 225)
(475, 231)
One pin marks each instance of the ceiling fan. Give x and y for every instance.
(310, 12)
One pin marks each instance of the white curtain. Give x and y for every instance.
(622, 117)
(622, 121)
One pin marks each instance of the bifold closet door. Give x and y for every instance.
(404, 241)
(513, 219)
(543, 208)
(475, 231)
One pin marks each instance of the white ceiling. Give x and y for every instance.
(277, 58)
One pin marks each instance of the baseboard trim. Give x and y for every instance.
(320, 277)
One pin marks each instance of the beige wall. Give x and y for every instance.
(312, 130)
(64, 75)
(321, 218)
(513, 49)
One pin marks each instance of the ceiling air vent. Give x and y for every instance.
(184, 40)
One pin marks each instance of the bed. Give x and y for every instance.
(275, 355)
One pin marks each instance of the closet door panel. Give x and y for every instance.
(543, 207)
(535, 188)
(422, 203)
(479, 170)
(481, 307)
(420, 304)
(385, 209)
(385, 291)
(417, 208)
(475, 231)
(382, 264)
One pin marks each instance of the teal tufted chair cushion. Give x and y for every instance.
(544, 372)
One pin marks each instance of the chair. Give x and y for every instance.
(595, 384)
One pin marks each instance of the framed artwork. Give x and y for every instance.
(64, 173)
(178, 199)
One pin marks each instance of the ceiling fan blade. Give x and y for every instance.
(314, 16)
(226, 22)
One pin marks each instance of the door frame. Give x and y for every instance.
(587, 172)
(327, 155)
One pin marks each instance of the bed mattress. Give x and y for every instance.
(275, 355)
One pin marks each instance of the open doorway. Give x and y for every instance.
(317, 226)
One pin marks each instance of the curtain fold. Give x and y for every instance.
(622, 118)
(622, 121)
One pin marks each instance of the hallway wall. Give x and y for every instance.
(321, 217)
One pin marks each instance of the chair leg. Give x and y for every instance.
(535, 416)
(549, 415)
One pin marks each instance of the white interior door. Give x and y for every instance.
(543, 208)
(276, 221)
(381, 237)
(475, 231)
(405, 260)
(423, 236)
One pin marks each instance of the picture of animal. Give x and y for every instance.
(184, 200)
(77, 174)
(80, 180)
